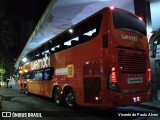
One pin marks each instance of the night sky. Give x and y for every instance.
(18, 19)
(24, 15)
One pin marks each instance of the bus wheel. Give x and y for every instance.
(69, 98)
(26, 89)
(57, 96)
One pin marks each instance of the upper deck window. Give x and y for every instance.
(127, 21)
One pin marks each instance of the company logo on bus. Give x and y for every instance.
(41, 63)
(128, 37)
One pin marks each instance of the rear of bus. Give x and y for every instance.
(128, 81)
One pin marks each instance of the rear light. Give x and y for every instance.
(140, 18)
(149, 77)
(113, 75)
(149, 74)
(113, 80)
(55, 78)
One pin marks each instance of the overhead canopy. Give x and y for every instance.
(62, 14)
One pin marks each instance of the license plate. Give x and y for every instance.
(135, 80)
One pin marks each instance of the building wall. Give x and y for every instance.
(155, 17)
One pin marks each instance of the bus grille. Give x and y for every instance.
(132, 61)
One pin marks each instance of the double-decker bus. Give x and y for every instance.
(100, 62)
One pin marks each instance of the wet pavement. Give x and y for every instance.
(15, 101)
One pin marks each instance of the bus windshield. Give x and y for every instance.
(127, 21)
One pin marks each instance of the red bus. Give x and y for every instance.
(103, 61)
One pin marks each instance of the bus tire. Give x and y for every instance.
(26, 89)
(57, 97)
(69, 98)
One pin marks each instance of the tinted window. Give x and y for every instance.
(39, 75)
(27, 75)
(128, 21)
(48, 74)
(83, 32)
(90, 28)
(44, 74)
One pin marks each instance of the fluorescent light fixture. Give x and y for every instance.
(71, 30)
(24, 59)
(112, 7)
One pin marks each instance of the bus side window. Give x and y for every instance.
(73, 41)
(39, 75)
(55, 48)
(26, 75)
(48, 74)
(80, 34)
(32, 75)
(55, 45)
(90, 28)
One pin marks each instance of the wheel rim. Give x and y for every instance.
(57, 96)
(70, 99)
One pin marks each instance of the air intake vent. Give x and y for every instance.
(132, 61)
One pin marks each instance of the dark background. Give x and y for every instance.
(18, 19)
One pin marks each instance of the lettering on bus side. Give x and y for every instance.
(70, 70)
(41, 63)
(61, 71)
